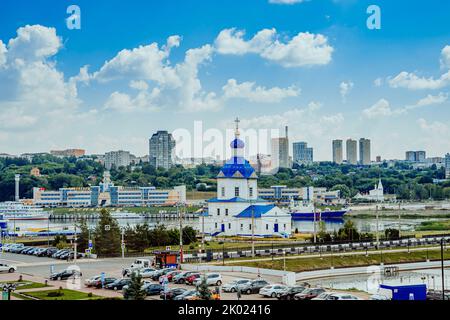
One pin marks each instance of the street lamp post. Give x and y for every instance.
(442, 269)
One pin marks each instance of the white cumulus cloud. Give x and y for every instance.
(253, 93)
(304, 49)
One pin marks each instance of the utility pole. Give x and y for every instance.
(180, 216)
(122, 245)
(75, 243)
(253, 231)
(399, 220)
(48, 231)
(378, 234)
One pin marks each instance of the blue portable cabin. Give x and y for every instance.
(407, 292)
(3, 226)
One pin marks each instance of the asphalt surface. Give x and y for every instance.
(38, 269)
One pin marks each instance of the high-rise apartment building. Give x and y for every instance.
(338, 151)
(117, 159)
(280, 152)
(302, 153)
(161, 150)
(416, 156)
(352, 151)
(364, 152)
(447, 165)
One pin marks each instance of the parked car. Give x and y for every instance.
(147, 272)
(170, 275)
(89, 282)
(382, 297)
(309, 294)
(212, 279)
(58, 253)
(172, 293)
(118, 284)
(253, 287)
(272, 290)
(342, 296)
(153, 289)
(49, 252)
(181, 277)
(191, 278)
(66, 274)
(33, 251)
(186, 294)
(24, 250)
(159, 273)
(38, 251)
(323, 296)
(16, 248)
(98, 283)
(5, 247)
(290, 292)
(7, 268)
(233, 285)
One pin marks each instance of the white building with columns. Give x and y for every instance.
(237, 210)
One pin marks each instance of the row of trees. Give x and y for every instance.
(107, 236)
(401, 179)
(349, 232)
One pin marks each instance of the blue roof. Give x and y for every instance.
(237, 164)
(256, 210)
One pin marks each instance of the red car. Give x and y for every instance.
(190, 280)
(172, 274)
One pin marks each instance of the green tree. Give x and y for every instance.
(348, 232)
(107, 235)
(134, 290)
(203, 289)
(83, 237)
(391, 234)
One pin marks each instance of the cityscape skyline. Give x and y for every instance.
(301, 66)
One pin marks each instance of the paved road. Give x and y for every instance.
(336, 254)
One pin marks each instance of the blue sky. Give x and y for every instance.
(316, 67)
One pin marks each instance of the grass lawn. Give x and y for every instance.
(337, 261)
(434, 226)
(68, 295)
(19, 296)
(27, 285)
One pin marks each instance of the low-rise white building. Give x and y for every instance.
(377, 194)
(237, 210)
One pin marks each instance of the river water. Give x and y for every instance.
(370, 282)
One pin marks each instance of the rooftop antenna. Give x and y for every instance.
(287, 132)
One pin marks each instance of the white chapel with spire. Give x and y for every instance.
(237, 210)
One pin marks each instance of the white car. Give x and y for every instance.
(89, 282)
(147, 272)
(212, 279)
(7, 268)
(323, 296)
(234, 285)
(272, 290)
(342, 296)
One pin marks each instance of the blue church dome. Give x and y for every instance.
(237, 144)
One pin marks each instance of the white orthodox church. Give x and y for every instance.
(237, 210)
(377, 194)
